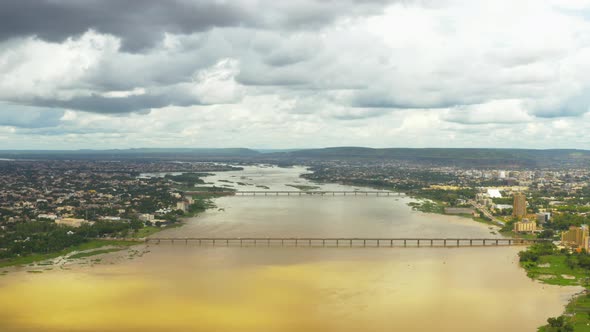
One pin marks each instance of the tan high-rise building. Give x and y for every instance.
(576, 237)
(519, 205)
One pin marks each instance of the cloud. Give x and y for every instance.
(492, 112)
(139, 23)
(142, 23)
(294, 74)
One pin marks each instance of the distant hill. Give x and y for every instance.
(142, 153)
(473, 157)
(446, 156)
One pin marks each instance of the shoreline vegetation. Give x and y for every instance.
(547, 264)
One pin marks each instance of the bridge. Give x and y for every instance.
(344, 242)
(297, 193)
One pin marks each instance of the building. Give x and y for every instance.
(47, 216)
(502, 206)
(525, 225)
(146, 217)
(543, 217)
(182, 206)
(494, 193)
(519, 205)
(576, 237)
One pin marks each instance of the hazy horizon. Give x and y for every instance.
(292, 149)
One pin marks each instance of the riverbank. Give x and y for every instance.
(84, 247)
(548, 265)
(95, 247)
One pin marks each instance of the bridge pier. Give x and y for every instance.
(404, 243)
(444, 242)
(457, 242)
(431, 242)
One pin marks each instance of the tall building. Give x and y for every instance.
(519, 205)
(576, 237)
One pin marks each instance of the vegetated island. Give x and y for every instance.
(302, 187)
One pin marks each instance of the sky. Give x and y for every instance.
(294, 74)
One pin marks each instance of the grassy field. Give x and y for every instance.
(146, 231)
(553, 270)
(94, 244)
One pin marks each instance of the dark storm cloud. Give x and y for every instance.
(141, 23)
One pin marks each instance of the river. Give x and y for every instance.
(191, 288)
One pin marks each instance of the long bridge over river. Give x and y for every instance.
(342, 242)
(297, 193)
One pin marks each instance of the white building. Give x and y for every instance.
(146, 217)
(494, 193)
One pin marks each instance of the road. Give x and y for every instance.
(483, 209)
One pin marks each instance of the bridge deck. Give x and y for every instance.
(347, 242)
(297, 193)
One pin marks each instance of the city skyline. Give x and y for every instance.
(306, 74)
